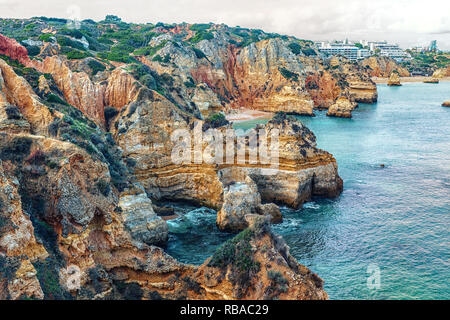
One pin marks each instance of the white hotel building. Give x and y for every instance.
(349, 51)
(352, 52)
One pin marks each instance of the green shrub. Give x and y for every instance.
(309, 52)
(202, 35)
(200, 27)
(157, 58)
(46, 37)
(288, 75)
(47, 275)
(76, 54)
(199, 53)
(216, 120)
(295, 48)
(67, 42)
(53, 98)
(33, 50)
(103, 187)
(16, 149)
(96, 66)
(190, 83)
(237, 255)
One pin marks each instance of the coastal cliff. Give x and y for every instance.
(383, 67)
(86, 148)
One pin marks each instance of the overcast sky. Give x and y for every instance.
(406, 22)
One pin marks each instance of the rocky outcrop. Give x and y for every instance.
(268, 272)
(441, 73)
(242, 198)
(143, 129)
(206, 100)
(342, 108)
(77, 219)
(383, 67)
(446, 104)
(99, 258)
(14, 50)
(18, 244)
(431, 80)
(140, 219)
(394, 80)
(304, 170)
(90, 96)
(16, 91)
(341, 77)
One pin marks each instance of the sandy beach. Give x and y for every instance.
(407, 79)
(247, 114)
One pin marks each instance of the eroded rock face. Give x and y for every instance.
(266, 74)
(242, 198)
(383, 67)
(13, 49)
(90, 96)
(341, 78)
(342, 108)
(18, 244)
(304, 170)
(441, 73)
(394, 80)
(446, 104)
(269, 270)
(16, 91)
(71, 206)
(140, 219)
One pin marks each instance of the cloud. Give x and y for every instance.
(400, 21)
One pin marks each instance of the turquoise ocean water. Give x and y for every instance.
(396, 217)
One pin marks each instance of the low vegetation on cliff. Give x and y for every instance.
(86, 119)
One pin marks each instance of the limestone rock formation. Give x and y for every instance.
(256, 264)
(342, 108)
(18, 244)
(431, 80)
(13, 49)
(441, 73)
(394, 80)
(304, 170)
(86, 144)
(341, 77)
(242, 198)
(140, 219)
(382, 67)
(16, 91)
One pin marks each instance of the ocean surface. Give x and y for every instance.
(393, 219)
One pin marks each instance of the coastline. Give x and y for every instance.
(379, 80)
(247, 115)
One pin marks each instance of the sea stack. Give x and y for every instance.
(446, 103)
(394, 80)
(342, 108)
